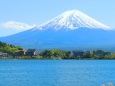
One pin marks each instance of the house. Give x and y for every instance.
(77, 53)
(1, 54)
(16, 53)
(20, 53)
(30, 52)
(100, 53)
(37, 53)
(5, 55)
(107, 53)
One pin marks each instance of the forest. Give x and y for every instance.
(57, 54)
(76, 54)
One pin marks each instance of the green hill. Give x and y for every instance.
(9, 48)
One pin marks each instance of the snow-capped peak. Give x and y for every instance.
(73, 19)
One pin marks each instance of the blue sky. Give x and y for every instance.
(20, 15)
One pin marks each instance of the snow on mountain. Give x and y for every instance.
(73, 19)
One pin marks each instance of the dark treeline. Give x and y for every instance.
(76, 54)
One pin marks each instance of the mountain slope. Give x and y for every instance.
(71, 30)
(73, 19)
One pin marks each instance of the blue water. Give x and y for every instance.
(56, 72)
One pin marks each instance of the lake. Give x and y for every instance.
(56, 72)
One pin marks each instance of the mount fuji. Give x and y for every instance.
(72, 20)
(70, 30)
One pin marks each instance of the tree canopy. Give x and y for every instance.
(9, 48)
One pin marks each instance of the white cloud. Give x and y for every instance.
(16, 25)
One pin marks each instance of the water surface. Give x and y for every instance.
(56, 72)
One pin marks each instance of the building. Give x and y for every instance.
(30, 52)
(107, 53)
(1, 54)
(77, 53)
(5, 55)
(20, 53)
(16, 53)
(100, 53)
